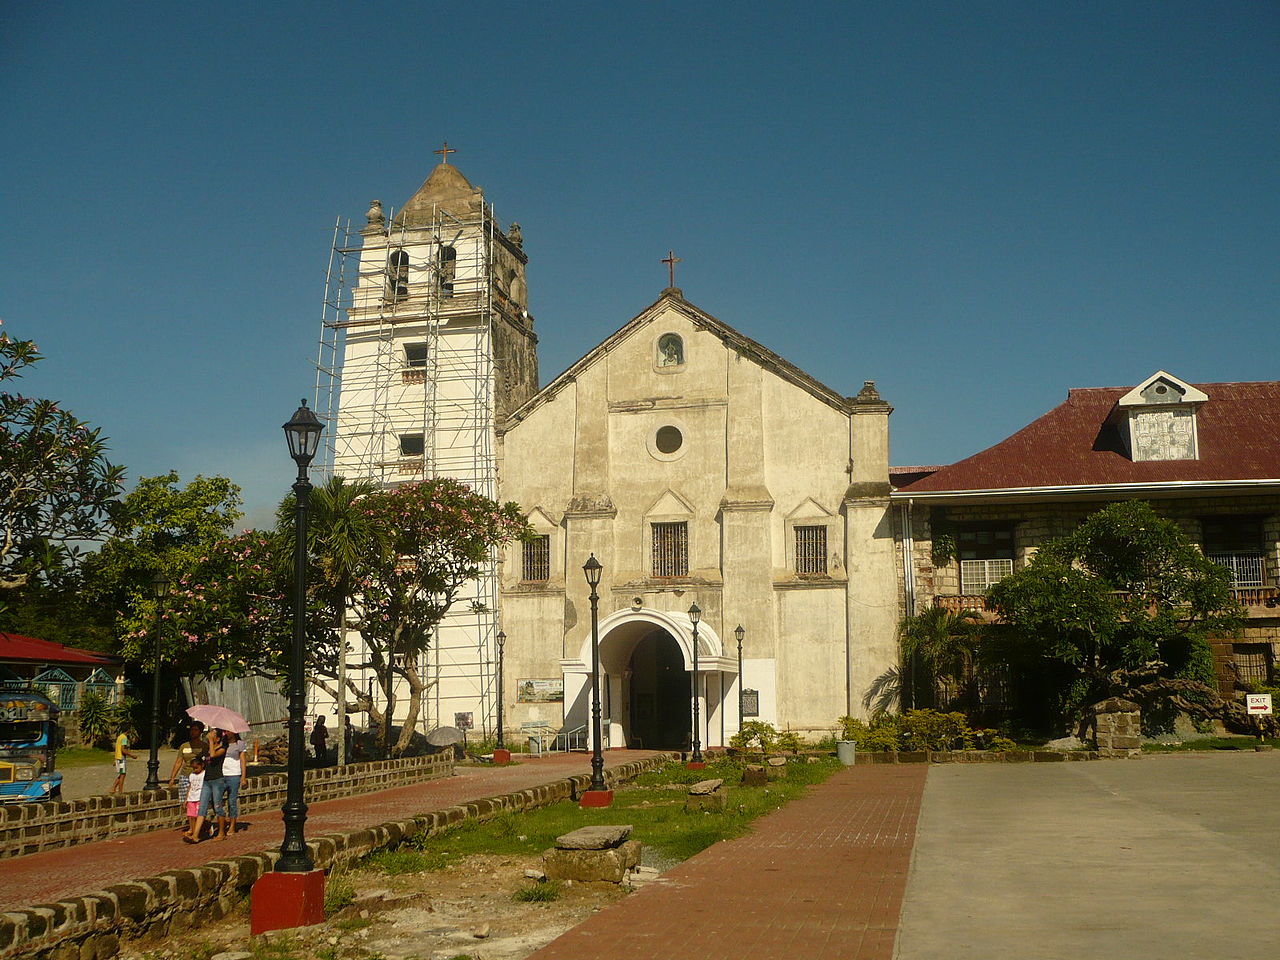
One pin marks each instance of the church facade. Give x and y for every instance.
(702, 470)
(713, 481)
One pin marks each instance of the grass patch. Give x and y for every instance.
(405, 859)
(70, 758)
(544, 892)
(1210, 743)
(339, 891)
(352, 924)
(651, 804)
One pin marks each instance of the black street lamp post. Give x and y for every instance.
(303, 432)
(502, 642)
(739, 633)
(695, 614)
(160, 589)
(593, 569)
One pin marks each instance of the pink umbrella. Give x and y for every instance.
(220, 717)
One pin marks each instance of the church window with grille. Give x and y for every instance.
(811, 551)
(448, 270)
(537, 559)
(670, 549)
(398, 275)
(415, 354)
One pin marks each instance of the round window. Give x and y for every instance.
(668, 440)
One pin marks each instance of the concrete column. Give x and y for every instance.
(871, 608)
(746, 509)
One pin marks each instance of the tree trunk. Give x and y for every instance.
(342, 684)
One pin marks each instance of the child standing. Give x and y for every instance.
(195, 784)
(122, 751)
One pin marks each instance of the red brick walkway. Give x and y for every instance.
(820, 879)
(49, 876)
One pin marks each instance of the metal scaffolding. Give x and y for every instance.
(405, 387)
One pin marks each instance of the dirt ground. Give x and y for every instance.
(465, 910)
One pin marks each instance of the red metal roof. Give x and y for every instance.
(14, 646)
(1073, 444)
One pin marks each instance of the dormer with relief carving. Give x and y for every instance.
(1157, 419)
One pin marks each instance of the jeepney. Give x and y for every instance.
(29, 740)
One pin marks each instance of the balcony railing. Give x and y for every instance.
(1247, 569)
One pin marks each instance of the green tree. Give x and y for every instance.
(159, 527)
(1127, 602)
(436, 536)
(424, 542)
(939, 648)
(57, 489)
(343, 536)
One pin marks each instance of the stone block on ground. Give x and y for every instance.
(704, 787)
(608, 865)
(706, 801)
(754, 776)
(600, 837)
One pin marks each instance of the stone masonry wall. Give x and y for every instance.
(29, 828)
(91, 927)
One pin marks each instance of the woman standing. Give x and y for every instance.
(231, 773)
(212, 793)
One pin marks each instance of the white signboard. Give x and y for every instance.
(1258, 704)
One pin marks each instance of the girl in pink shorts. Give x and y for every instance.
(194, 786)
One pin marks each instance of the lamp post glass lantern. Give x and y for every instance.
(592, 570)
(303, 432)
(738, 634)
(695, 615)
(160, 590)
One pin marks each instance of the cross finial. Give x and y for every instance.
(444, 152)
(670, 260)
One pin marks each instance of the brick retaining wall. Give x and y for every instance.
(32, 827)
(92, 926)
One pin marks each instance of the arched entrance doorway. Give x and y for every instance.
(660, 704)
(646, 688)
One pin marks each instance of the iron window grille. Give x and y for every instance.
(537, 559)
(811, 551)
(671, 549)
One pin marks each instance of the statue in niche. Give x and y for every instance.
(670, 350)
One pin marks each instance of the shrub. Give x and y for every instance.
(789, 740)
(96, 716)
(755, 735)
(933, 730)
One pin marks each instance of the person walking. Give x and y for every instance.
(320, 740)
(188, 753)
(349, 738)
(195, 785)
(121, 754)
(213, 790)
(232, 770)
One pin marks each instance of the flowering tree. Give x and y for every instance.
(423, 543)
(56, 486)
(435, 537)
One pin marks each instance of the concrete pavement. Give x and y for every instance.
(1170, 856)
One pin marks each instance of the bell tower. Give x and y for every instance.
(427, 344)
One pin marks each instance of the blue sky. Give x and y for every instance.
(977, 205)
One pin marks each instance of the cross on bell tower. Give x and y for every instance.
(444, 152)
